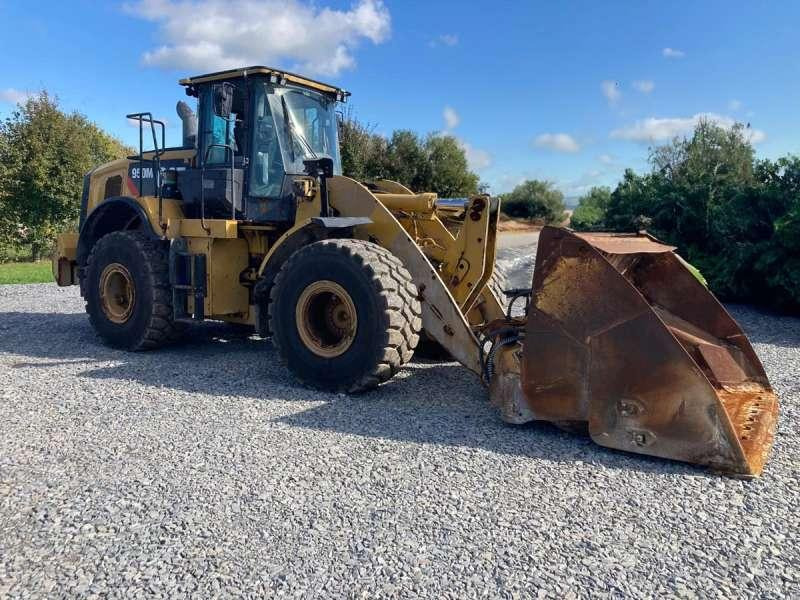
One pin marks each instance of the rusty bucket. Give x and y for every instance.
(623, 337)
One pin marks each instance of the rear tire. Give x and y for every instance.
(344, 315)
(127, 291)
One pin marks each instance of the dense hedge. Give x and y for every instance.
(734, 217)
(534, 200)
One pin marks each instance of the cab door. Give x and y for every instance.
(222, 145)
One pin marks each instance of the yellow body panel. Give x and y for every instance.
(211, 228)
(226, 298)
(64, 259)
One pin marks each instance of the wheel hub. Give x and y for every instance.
(326, 318)
(117, 293)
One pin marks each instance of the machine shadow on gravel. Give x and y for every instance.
(67, 336)
(444, 404)
(430, 403)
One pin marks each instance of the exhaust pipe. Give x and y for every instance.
(189, 122)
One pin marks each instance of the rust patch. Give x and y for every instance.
(615, 243)
(753, 411)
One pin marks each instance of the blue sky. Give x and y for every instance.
(572, 92)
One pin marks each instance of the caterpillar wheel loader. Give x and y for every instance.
(251, 222)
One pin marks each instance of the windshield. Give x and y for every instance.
(306, 125)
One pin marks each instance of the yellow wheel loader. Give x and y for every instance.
(251, 222)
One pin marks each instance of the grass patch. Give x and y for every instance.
(27, 272)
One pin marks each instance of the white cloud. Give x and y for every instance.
(673, 53)
(507, 182)
(611, 91)
(755, 136)
(655, 129)
(447, 39)
(209, 35)
(477, 159)
(581, 185)
(606, 159)
(559, 142)
(13, 96)
(451, 118)
(644, 85)
(734, 104)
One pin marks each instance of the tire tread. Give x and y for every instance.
(392, 283)
(160, 329)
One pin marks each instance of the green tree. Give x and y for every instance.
(363, 152)
(435, 163)
(735, 218)
(407, 161)
(535, 200)
(448, 171)
(44, 153)
(631, 203)
(591, 210)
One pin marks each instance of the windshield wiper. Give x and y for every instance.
(294, 133)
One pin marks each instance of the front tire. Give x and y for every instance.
(344, 315)
(128, 296)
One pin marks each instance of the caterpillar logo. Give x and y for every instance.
(146, 172)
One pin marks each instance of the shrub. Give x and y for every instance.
(735, 218)
(591, 210)
(534, 200)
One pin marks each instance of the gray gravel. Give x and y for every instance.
(203, 469)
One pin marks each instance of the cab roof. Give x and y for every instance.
(280, 75)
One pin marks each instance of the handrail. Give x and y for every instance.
(147, 117)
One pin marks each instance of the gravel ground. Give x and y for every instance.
(202, 469)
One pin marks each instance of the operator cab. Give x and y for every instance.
(256, 128)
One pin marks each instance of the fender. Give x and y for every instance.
(113, 214)
(302, 234)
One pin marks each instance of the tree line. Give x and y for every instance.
(736, 218)
(436, 163)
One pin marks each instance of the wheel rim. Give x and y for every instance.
(117, 293)
(326, 319)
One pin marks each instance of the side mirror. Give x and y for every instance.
(223, 100)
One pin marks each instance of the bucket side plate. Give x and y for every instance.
(609, 342)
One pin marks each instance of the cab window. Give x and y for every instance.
(267, 169)
(215, 129)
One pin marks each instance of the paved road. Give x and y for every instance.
(203, 469)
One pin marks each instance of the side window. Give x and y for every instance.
(219, 130)
(113, 187)
(266, 170)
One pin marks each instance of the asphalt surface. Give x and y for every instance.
(204, 470)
